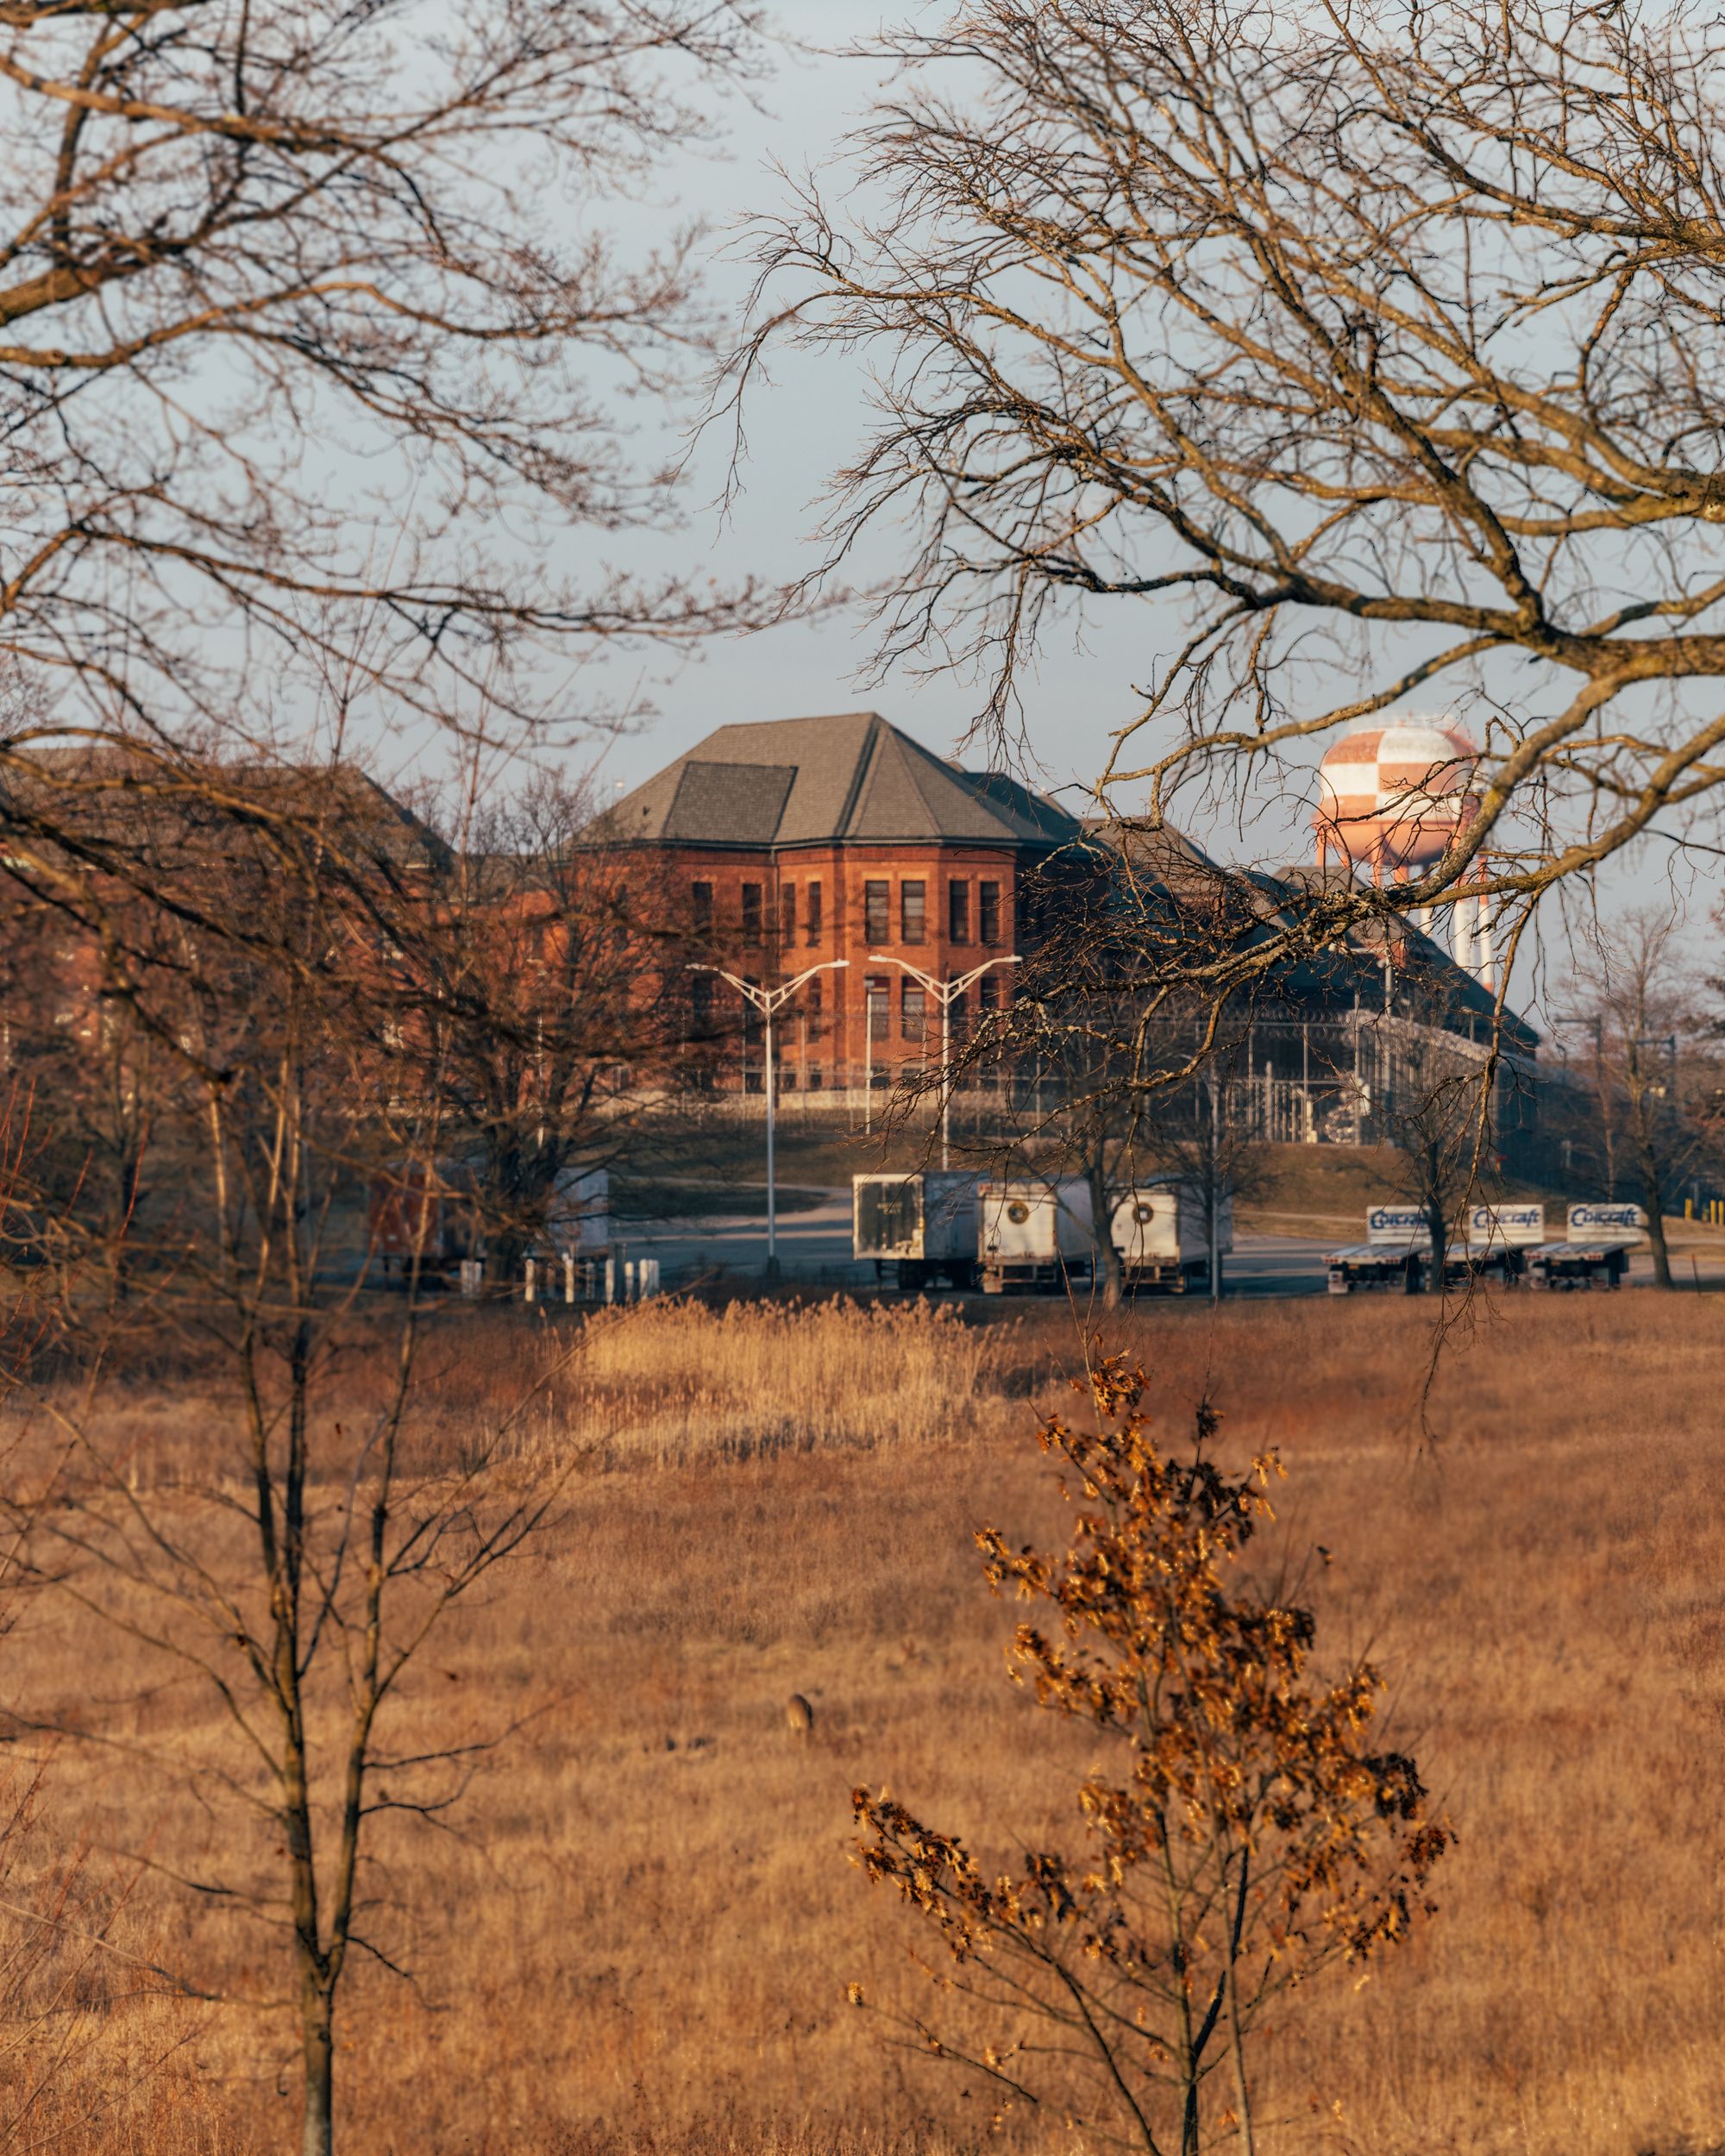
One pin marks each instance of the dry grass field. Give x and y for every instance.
(639, 1933)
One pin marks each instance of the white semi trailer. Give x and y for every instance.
(1391, 1255)
(1596, 1250)
(923, 1227)
(1163, 1234)
(1397, 1250)
(1033, 1235)
(1498, 1239)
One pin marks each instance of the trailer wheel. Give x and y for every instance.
(912, 1275)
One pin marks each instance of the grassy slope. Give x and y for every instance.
(647, 1935)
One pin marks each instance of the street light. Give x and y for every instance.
(768, 1002)
(1668, 1041)
(946, 994)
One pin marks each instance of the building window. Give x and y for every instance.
(989, 913)
(877, 913)
(812, 914)
(751, 913)
(812, 1010)
(815, 1078)
(911, 999)
(958, 912)
(787, 914)
(700, 1005)
(913, 912)
(751, 1019)
(879, 1009)
(701, 894)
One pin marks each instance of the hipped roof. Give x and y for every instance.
(843, 778)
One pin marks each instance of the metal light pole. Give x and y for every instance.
(768, 1002)
(946, 994)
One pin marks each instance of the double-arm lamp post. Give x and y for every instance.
(946, 994)
(769, 1002)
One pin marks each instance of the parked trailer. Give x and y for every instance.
(1595, 1252)
(1162, 1235)
(1397, 1251)
(1499, 1239)
(1393, 1256)
(922, 1226)
(1033, 1236)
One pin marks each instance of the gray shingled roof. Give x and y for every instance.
(797, 781)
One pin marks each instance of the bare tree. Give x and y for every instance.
(1642, 997)
(544, 1005)
(1108, 1067)
(1368, 351)
(302, 307)
(1436, 1113)
(298, 1559)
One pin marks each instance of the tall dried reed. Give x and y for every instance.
(669, 1384)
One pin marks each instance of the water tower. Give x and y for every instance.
(1392, 798)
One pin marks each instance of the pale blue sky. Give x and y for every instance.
(813, 414)
(806, 423)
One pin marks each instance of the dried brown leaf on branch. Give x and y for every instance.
(1241, 1831)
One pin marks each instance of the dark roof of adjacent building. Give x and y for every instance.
(849, 778)
(148, 802)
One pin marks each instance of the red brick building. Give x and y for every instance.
(793, 842)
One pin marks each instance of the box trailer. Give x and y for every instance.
(1034, 1235)
(922, 1227)
(1594, 1253)
(1163, 1234)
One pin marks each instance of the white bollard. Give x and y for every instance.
(471, 1271)
(568, 1278)
(610, 1279)
(531, 1282)
(649, 1276)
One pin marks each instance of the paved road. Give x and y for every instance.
(815, 1247)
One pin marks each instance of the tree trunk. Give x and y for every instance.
(1110, 1273)
(317, 2049)
(1437, 1227)
(1656, 1234)
(1653, 1191)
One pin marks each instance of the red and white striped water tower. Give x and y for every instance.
(1392, 798)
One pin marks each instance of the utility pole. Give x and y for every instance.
(769, 1002)
(945, 994)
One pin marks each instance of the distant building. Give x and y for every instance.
(793, 842)
(786, 843)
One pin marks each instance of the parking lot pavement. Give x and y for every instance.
(815, 1246)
